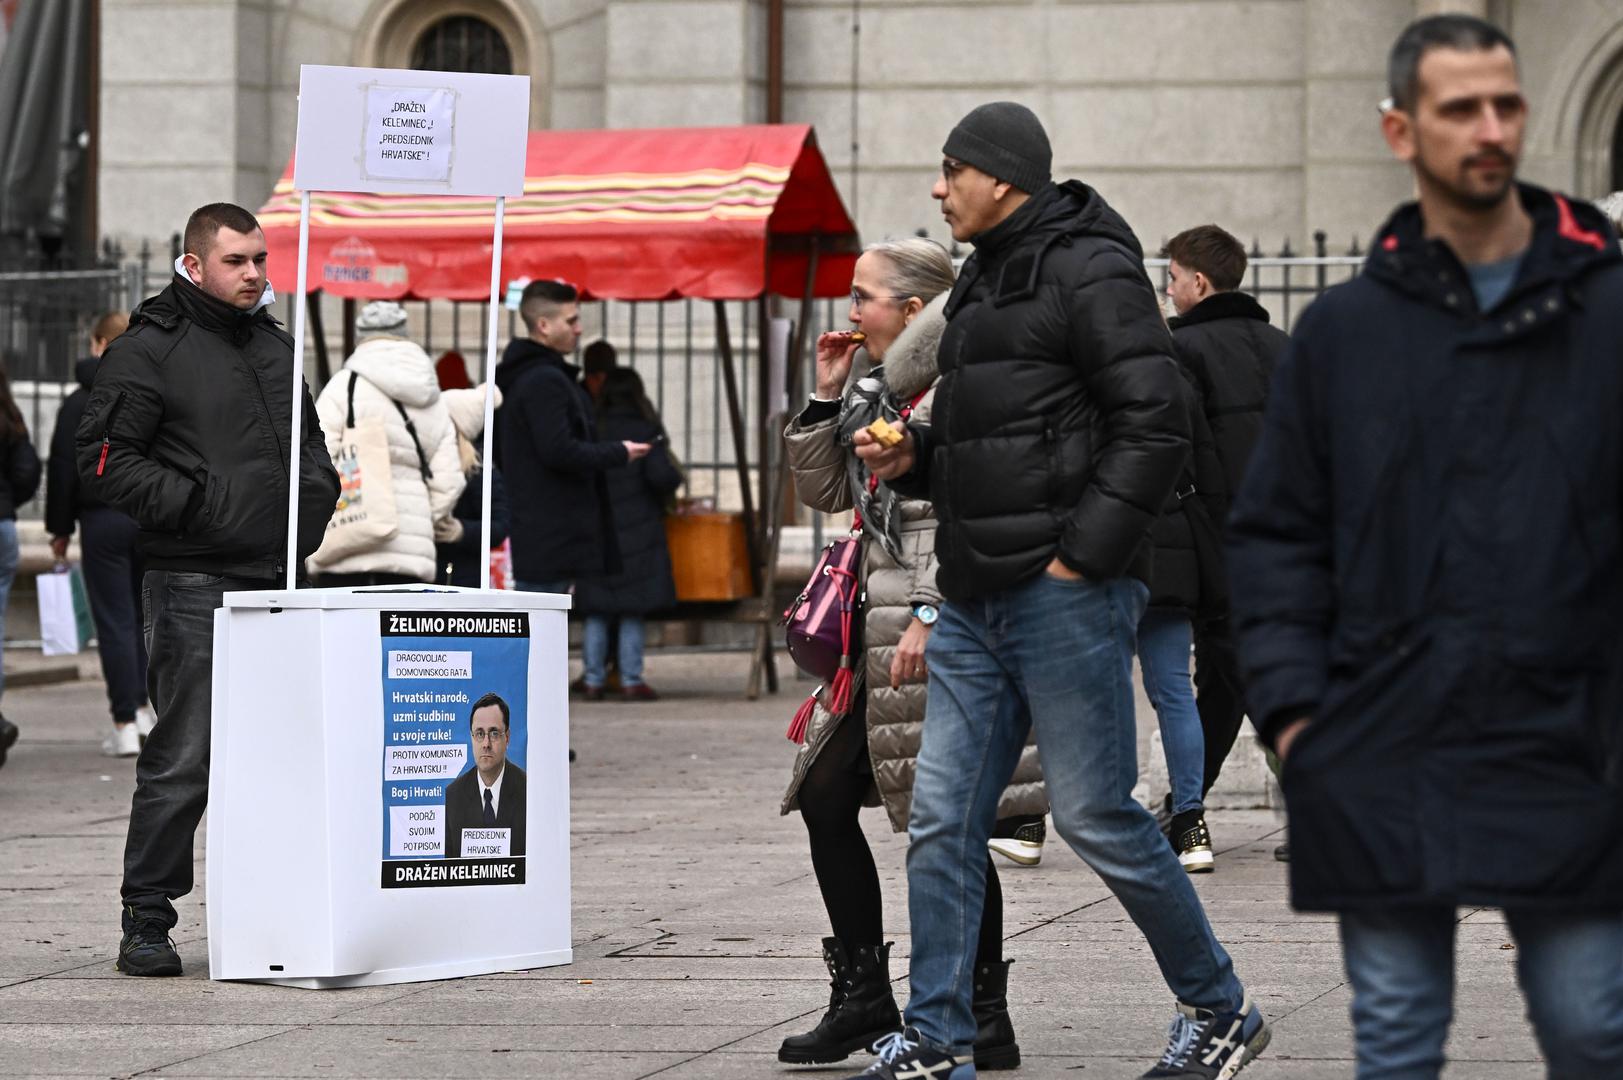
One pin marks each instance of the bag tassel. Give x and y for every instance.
(802, 720)
(840, 691)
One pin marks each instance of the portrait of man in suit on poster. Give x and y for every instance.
(491, 795)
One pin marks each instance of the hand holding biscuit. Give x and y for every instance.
(834, 353)
(885, 461)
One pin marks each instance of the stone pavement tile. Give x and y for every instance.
(82, 1046)
(744, 1002)
(430, 1051)
(185, 1001)
(1489, 1026)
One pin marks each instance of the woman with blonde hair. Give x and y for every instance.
(866, 757)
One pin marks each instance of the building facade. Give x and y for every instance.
(1256, 114)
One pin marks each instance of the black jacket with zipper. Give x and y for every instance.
(1427, 559)
(1059, 427)
(186, 430)
(65, 497)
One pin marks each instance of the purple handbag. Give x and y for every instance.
(820, 627)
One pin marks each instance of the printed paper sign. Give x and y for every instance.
(456, 732)
(410, 133)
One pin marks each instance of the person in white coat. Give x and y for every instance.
(396, 383)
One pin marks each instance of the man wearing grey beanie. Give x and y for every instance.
(1058, 433)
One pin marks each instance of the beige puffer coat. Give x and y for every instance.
(395, 370)
(895, 717)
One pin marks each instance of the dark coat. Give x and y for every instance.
(1225, 342)
(19, 474)
(1186, 540)
(1427, 559)
(465, 809)
(637, 495)
(186, 430)
(65, 497)
(548, 449)
(463, 556)
(1058, 426)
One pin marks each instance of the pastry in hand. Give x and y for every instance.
(858, 337)
(884, 434)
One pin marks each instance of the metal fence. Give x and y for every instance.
(45, 318)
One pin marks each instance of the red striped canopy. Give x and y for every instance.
(709, 213)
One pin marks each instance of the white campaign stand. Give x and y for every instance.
(298, 875)
(295, 822)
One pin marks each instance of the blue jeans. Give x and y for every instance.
(594, 649)
(8, 574)
(1054, 656)
(1401, 965)
(1164, 640)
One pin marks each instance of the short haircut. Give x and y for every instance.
(1464, 33)
(599, 357)
(487, 701)
(1209, 250)
(110, 325)
(542, 299)
(207, 221)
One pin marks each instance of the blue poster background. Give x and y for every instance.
(500, 665)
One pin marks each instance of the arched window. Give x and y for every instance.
(462, 43)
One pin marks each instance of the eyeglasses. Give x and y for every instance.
(493, 735)
(950, 168)
(857, 299)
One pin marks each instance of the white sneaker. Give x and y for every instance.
(145, 720)
(1025, 847)
(125, 741)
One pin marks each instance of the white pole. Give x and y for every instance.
(490, 393)
(299, 306)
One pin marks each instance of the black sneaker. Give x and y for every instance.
(147, 949)
(1192, 842)
(1022, 844)
(1203, 1045)
(904, 1055)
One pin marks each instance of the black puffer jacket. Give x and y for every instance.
(637, 495)
(464, 556)
(1181, 573)
(1058, 427)
(549, 453)
(1227, 345)
(186, 430)
(19, 473)
(1427, 557)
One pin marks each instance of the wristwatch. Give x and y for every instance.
(926, 614)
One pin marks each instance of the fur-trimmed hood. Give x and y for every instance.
(910, 363)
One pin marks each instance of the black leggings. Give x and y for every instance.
(830, 800)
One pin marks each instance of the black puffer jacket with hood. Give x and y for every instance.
(186, 430)
(1060, 426)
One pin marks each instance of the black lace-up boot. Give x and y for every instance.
(861, 1007)
(995, 1047)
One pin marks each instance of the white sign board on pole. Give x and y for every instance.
(390, 131)
(411, 132)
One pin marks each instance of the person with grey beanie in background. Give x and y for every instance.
(1058, 434)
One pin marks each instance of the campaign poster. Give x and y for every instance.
(455, 735)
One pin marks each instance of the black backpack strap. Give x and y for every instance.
(411, 429)
(349, 415)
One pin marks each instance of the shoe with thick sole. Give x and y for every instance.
(147, 950)
(8, 738)
(123, 741)
(146, 718)
(1207, 1045)
(861, 1007)
(1025, 847)
(1193, 842)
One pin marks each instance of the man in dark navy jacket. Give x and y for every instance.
(548, 450)
(1427, 559)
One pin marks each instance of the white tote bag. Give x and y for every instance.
(64, 612)
(366, 517)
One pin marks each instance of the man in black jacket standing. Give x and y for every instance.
(548, 450)
(1427, 559)
(186, 431)
(1059, 433)
(1224, 339)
